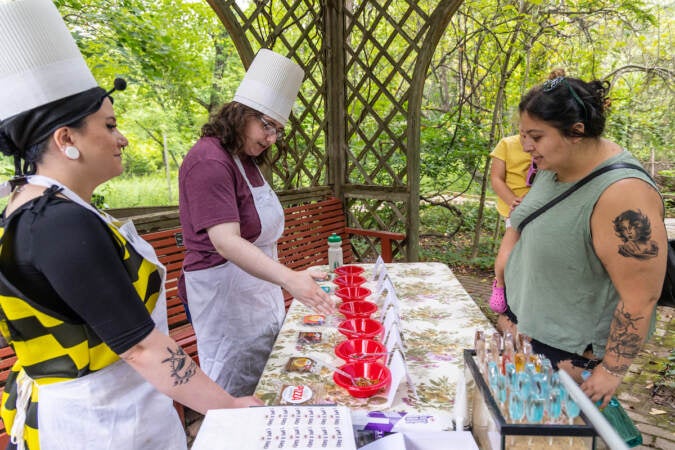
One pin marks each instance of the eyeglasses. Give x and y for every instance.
(552, 85)
(271, 130)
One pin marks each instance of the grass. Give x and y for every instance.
(125, 192)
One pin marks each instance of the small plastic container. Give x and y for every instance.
(361, 328)
(355, 310)
(349, 270)
(349, 280)
(372, 351)
(352, 293)
(374, 376)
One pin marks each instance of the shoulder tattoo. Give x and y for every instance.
(181, 365)
(635, 232)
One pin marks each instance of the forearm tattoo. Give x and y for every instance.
(624, 340)
(635, 232)
(181, 365)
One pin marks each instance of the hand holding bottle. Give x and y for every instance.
(600, 386)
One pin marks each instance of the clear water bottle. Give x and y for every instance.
(334, 251)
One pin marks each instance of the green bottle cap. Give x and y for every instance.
(334, 238)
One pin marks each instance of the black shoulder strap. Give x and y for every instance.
(576, 186)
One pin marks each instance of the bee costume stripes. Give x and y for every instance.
(73, 360)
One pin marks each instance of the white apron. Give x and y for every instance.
(237, 316)
(77, 414)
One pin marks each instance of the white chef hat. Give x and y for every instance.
(270, 85)
(44, 81)
(39, 60)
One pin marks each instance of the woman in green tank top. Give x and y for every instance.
(584, 278)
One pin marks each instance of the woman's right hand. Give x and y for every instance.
(303, 287)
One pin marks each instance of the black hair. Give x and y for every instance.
(228, 125)
(34, 153)
(638, 221)
(563, 102)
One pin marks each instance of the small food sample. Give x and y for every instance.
(363, 382)
(299, 364)
(309, 337)
(314, 319)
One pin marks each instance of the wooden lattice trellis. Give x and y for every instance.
(355, 130)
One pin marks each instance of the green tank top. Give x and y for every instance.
(555, 283)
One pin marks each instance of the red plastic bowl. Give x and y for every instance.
(368, 370)
(361, 328)
(360, 346)
(349, 280)
(349, 270)
(352, 293)
(353, 310)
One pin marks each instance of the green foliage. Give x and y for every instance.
(454, 246)
(132, 191)
(450, 153)
(177, 58)
(139, 161)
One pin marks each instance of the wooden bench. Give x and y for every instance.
(302, 245)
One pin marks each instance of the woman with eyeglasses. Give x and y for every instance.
(231, 221)
(587, 303)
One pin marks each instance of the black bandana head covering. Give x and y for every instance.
(20, 132)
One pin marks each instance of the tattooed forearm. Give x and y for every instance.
(624, 340)
(182, 367)
(635, 232)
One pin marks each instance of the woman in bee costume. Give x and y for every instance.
(81, 295)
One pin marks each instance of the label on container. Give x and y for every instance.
(296, 394)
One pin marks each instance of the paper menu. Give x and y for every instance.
(277, 427)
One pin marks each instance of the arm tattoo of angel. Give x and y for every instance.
(181, 365)
(635, 232)
(624, 341)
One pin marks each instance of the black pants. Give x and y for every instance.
(556, 355)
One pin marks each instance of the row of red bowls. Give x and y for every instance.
(363, 336)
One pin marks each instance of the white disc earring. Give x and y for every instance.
(71, 152)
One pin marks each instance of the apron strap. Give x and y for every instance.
(25, 388)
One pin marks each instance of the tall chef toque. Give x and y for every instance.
(44, 82)
(270, 85)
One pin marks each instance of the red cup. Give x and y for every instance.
(349, 280)
(349, 270)
(345, 349)
(353, 310)
(361, 328)
(375, 377)
(352, 293)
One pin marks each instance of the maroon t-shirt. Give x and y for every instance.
(212, 191)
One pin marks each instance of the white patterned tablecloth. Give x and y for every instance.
(438, 319)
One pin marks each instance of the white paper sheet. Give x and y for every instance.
(278, 427)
